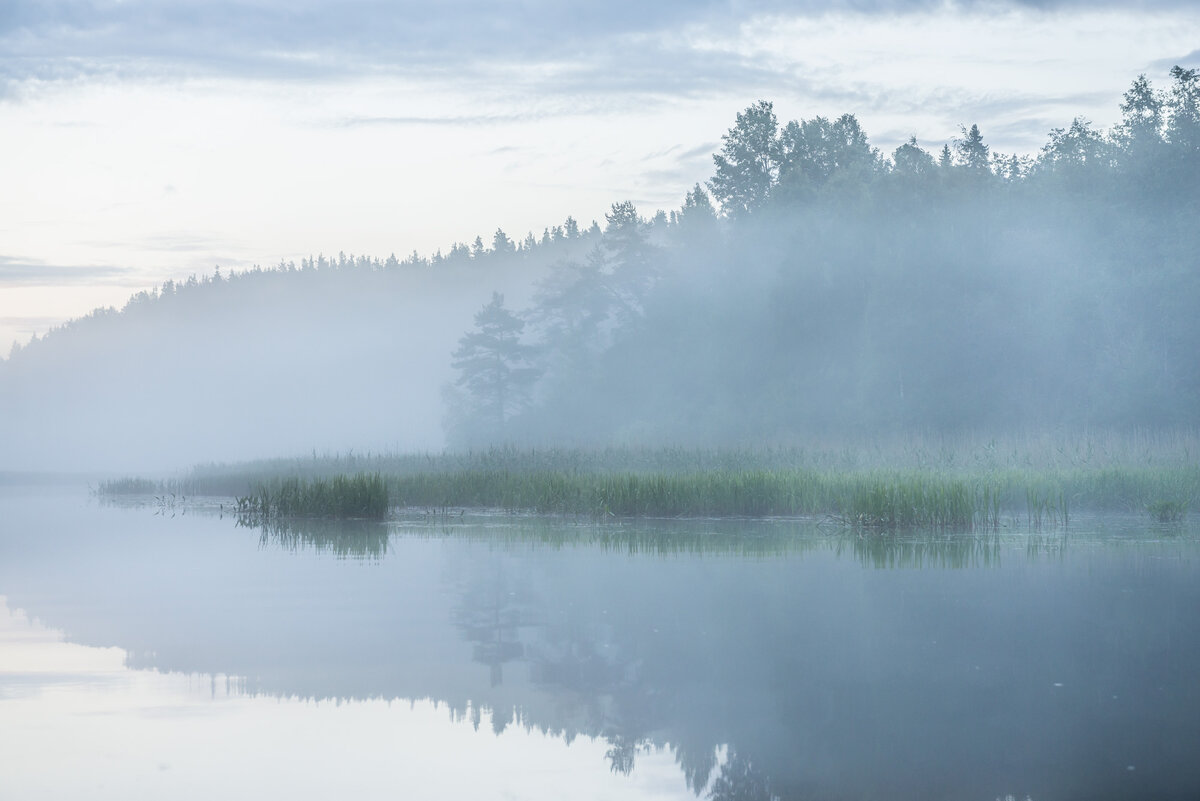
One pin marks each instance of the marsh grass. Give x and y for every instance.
(1166, 510)
(902, 483)
(874, 499)
(130, 486)
(360, 496)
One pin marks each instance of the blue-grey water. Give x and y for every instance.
(162, 651)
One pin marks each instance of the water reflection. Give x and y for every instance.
(130, 734)
(930, 550)
(345, 539)
(772, 659)
(357, 539)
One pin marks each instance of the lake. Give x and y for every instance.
(160, 650)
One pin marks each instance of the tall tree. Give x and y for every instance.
(697, 217)
(910, 160)
(945, 159)
(496, 372)
(501, 243)
(972, 153)
(581, 305)
(1140, 132)
(1183, 128)
(1078, 155)
(814, 151)
(748, 164)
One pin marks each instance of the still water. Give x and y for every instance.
(152, 651)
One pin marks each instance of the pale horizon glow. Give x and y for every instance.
(118, 179)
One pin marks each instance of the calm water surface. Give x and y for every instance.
(158, 652)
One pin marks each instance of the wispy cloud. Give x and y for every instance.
(700, 151)
(450, 120)
(29, 324)
(1190, 61)
(16, 272)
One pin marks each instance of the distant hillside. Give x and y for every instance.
(327, 355)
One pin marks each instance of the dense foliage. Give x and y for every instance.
(839, 290)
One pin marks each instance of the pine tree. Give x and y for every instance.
(495, 367)
(973, 153)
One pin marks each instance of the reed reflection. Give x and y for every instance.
(345, 539)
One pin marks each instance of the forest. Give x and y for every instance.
(812, 287)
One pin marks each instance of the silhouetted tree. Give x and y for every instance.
(495, 368)
(911, 161)
(1183, 127)
(972, 153)
(697, 217)
(748, 164)
(1140, 132)
(501, 244)
(813, 151)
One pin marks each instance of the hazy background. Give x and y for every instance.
(383, 228)
(145, 141)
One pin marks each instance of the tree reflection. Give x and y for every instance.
(741, 780)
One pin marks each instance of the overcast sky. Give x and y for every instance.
(142, 140)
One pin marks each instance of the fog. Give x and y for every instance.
(814, 286)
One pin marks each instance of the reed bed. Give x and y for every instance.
(963, 453)
(902, 483)
(130, 486)
(360, 496)
(885, 500)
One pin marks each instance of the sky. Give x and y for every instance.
(146, 140)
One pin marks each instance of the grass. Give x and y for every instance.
(1167, 510)
(361, 496)
(887, 500)
(129, 486)
(934, 483)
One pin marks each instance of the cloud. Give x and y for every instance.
(50, 40)
(450, 119)
(1190, 61)
(30, 323)
(704, 150)
(16, 272)
(181, 243)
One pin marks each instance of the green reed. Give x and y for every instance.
(363, 495)
(903, 483)
(1168, 510)
(129, 486)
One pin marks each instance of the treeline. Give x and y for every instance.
(816, 286)
(557, 241)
